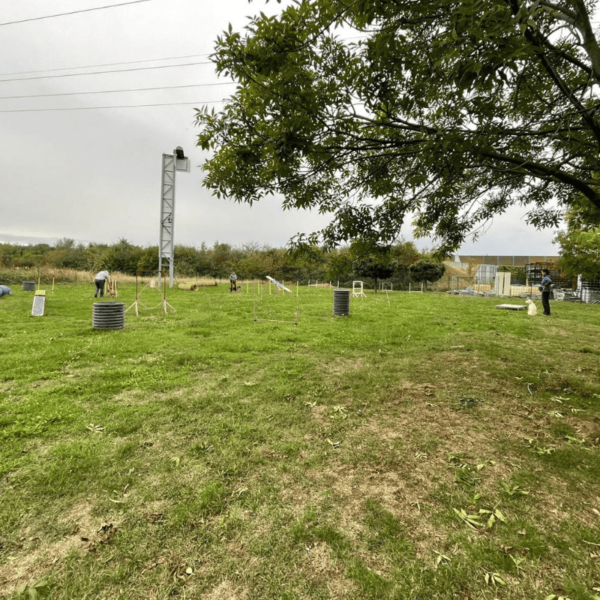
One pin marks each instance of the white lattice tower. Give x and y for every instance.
(170, 164)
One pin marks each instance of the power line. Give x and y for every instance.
(73, 12)
(103, 107)
(104, 72)
(169, 87)
(128, 62)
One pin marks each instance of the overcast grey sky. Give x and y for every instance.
(94, 175)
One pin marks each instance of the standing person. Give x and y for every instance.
(545, 287)
(100, 280)
(233, 282)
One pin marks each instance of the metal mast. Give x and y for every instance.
(170, 164)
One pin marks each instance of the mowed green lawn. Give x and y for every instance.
(426, 447)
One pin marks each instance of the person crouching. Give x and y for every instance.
(100, 280)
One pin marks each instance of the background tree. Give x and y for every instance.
(450, 110)
(122, 257)
(339, 264)
(426, 271)
(403, 255)
(377, 264)
(251, 261)
(580, 243)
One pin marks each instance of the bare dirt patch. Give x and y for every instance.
(341, 366)
(226, 590)
(319, 563)
(36, 556)
(30, 565)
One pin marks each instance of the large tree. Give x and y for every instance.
(580, 243)
(452, 110)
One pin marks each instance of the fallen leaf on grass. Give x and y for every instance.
(473, 521)
(514, 491)
(570, 438)
(153, 564)
(494, 514)
(33, 589)
(558, 399)
(494, 579)
(95, 428)
(338, 412)
(333, 444)
(441, 558)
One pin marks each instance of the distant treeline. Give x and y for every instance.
(250, 261)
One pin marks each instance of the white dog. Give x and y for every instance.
(531, 308)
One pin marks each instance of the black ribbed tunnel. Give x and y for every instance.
(341, 303)
(108, 315)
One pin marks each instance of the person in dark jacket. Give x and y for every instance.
(546, 287)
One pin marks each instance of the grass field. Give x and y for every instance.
(431, 447)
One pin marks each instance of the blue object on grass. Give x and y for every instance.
(4, 289)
